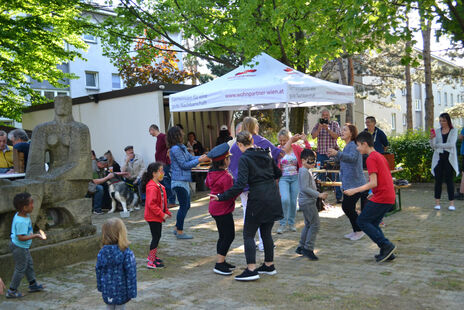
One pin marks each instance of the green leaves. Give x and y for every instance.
(36, 37)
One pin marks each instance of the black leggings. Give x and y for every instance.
(226, 229)
(249, 233)
(155, 229)
(349, 207)
(444, 172)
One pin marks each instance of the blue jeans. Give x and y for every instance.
(98, 198)
(369, 220)
(184, 206)
(167, 184)
(334, 176)
(288, 186)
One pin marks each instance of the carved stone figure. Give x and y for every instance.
(60, 209)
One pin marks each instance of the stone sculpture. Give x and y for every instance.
(60, 208)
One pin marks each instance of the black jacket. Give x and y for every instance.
(257, 169)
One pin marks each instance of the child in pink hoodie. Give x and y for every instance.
(219, 180)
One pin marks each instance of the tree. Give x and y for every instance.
(451, 16)
(36, 37)
(150, 65)
(303, 35)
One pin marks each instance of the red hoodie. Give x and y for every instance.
(156, 205)
(219, 181)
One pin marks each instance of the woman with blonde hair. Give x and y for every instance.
(251, 125)
(290, 163)
(113, 166)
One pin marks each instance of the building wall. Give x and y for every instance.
(115, 123)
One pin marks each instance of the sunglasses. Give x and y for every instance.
(310, 161)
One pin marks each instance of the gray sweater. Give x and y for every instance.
(308, 191)
(351, 167)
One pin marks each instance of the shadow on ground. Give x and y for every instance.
(427, 274)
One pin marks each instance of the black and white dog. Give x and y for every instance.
(121, 192)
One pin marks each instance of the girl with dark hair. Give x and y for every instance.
(193, 145)
(181, 164)
(352, 176)
(219, 180)
(444, 159)
(156, 209)
(257, 169)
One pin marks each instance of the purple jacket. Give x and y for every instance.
(258, 141)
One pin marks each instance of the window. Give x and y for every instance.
(404, 120)
(446, 98)
(417, 104)
(91, 79)
(51, 94)
(116, 81)
(393, 121)
(451, 99)
(89, 38)
(439, 97)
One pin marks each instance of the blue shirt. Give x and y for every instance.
(21, 226)
(462, 143)
(23, 147)
(380, 140)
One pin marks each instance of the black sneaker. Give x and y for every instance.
(385, 252)
(248, 275)
(310, 254)
(230, 266)
(222, 269)
(264, 269)
(299, 250)
(392, 257)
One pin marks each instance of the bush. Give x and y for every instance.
(414, 154)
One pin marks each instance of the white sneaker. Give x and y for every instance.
(437, 207)
(348, 236)
(357, 235)
(451, 208)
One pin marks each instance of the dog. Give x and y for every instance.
(121, 192)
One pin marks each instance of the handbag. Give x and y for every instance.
(92, 188)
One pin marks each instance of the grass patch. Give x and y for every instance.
(386, 273)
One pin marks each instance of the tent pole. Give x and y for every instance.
(171, 121)
(287, 125)
(249, 111)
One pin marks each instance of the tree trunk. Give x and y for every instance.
(349, 107)
(426, 27)
(407, 75)
(297, 117)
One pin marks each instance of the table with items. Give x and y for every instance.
(398, 186)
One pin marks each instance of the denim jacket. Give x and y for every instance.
(181, 163)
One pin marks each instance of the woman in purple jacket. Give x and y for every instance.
(251, 125)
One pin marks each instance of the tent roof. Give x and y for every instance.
(263, 84)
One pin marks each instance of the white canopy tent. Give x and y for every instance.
(263, 84)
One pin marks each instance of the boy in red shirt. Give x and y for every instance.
(382, 199)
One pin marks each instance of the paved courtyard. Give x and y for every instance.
(427, 274)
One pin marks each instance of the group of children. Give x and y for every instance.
(116, 266)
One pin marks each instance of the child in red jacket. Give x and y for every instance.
(219, 180)
(156, 209)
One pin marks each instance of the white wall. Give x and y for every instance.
(115, 123)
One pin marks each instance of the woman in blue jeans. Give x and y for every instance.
(288, 183)
(181, 164)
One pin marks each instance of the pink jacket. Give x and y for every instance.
(219, 181)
